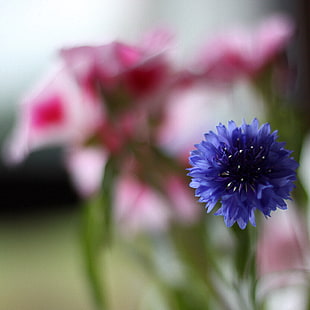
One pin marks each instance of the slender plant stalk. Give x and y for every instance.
(92, 251)
(96, 236)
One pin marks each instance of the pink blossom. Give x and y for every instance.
(118, 67)
(61, 111)
(86, 167)
(283, 245)
(157, 41)
(106, 101)
(49, 113)
(184, 209)
(131, 80)
(186, 114)
(272, 39)
(54, 112)
(223, 58)
(147, 77)
(102, 63)
(138, 207)
(240, 53)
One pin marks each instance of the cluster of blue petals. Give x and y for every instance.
(244, 168)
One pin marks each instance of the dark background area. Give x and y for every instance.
(40, 184)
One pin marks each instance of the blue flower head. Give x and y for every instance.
(244, 168)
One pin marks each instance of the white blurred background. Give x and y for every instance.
(32, 31)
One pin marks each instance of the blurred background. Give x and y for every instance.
(40, 263)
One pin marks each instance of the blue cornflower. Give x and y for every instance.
(244, 168)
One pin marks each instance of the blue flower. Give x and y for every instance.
(244, 168)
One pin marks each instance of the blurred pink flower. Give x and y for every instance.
(157, 41)
(55, 112)
(91, 65)
(240, 53)
(93, 95)
(132, 81)
(187, 114)
(272, 39)
(117, 67)
(283, 245)
(138, 207)
(109, 100)
(181, 199)
(86, 168)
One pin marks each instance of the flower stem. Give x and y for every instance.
(96, 235)
(92, 252)
(245, 264)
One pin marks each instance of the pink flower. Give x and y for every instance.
(51, 112)
(187, 114)
(180, 197)
(117, 67)
(283, 245)
(146, 78)
(55, 112)
(68, 108)
(283, 253)
(132, 81)
(108, 101)
(86, 167)
(102, 64)
(272, 39)
(138, 207)
(241, 53)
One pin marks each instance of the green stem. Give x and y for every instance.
(92, 251)
(197, 254)
(245, 264)
(96, 235)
